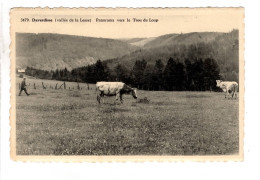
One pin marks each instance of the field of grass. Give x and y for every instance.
(71, 122)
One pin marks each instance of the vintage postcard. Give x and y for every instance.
(121, 84)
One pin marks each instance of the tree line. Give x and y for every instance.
(195, 75)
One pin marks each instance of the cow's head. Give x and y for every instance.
(134, 93)
(218, 83)
(221, 85)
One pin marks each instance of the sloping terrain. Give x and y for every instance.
(182, 39)
(70, 122)
(223, 47)
(140, 42)
(56, 51)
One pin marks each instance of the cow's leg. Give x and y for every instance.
(121, 98)
(98, 98)
(235, 93)
(103, 97)
(116, 98)
(117, 95)
(229, 92)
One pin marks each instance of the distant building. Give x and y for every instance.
(21, 71)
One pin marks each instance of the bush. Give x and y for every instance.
(144, 100)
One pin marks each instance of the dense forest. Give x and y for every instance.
(191, 61)
(191, 75)
(57, 51)
(222, 47)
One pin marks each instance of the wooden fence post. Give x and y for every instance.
(43, 86)
(61, 86)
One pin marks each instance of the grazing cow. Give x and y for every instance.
(114, 89)
(230, 87)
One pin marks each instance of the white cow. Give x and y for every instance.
(230, 87)
(114, 89)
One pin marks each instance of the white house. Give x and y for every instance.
(21, 71)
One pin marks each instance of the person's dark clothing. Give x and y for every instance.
(23, 84)
(23, 88)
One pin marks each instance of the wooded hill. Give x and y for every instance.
(57, 51)
(222, 47)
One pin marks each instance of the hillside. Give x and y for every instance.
(56, 51)
(182, 39)
(140, 42)
(223, 47)
(131, 40)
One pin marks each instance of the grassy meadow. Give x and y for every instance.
(71, 122)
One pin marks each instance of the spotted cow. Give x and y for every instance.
(229, 87)
(114, 89)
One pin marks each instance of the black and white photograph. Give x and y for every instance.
(156, 84)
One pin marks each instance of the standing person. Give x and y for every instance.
(23, 87)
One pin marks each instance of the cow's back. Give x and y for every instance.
(231, 85)
(109, 88)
